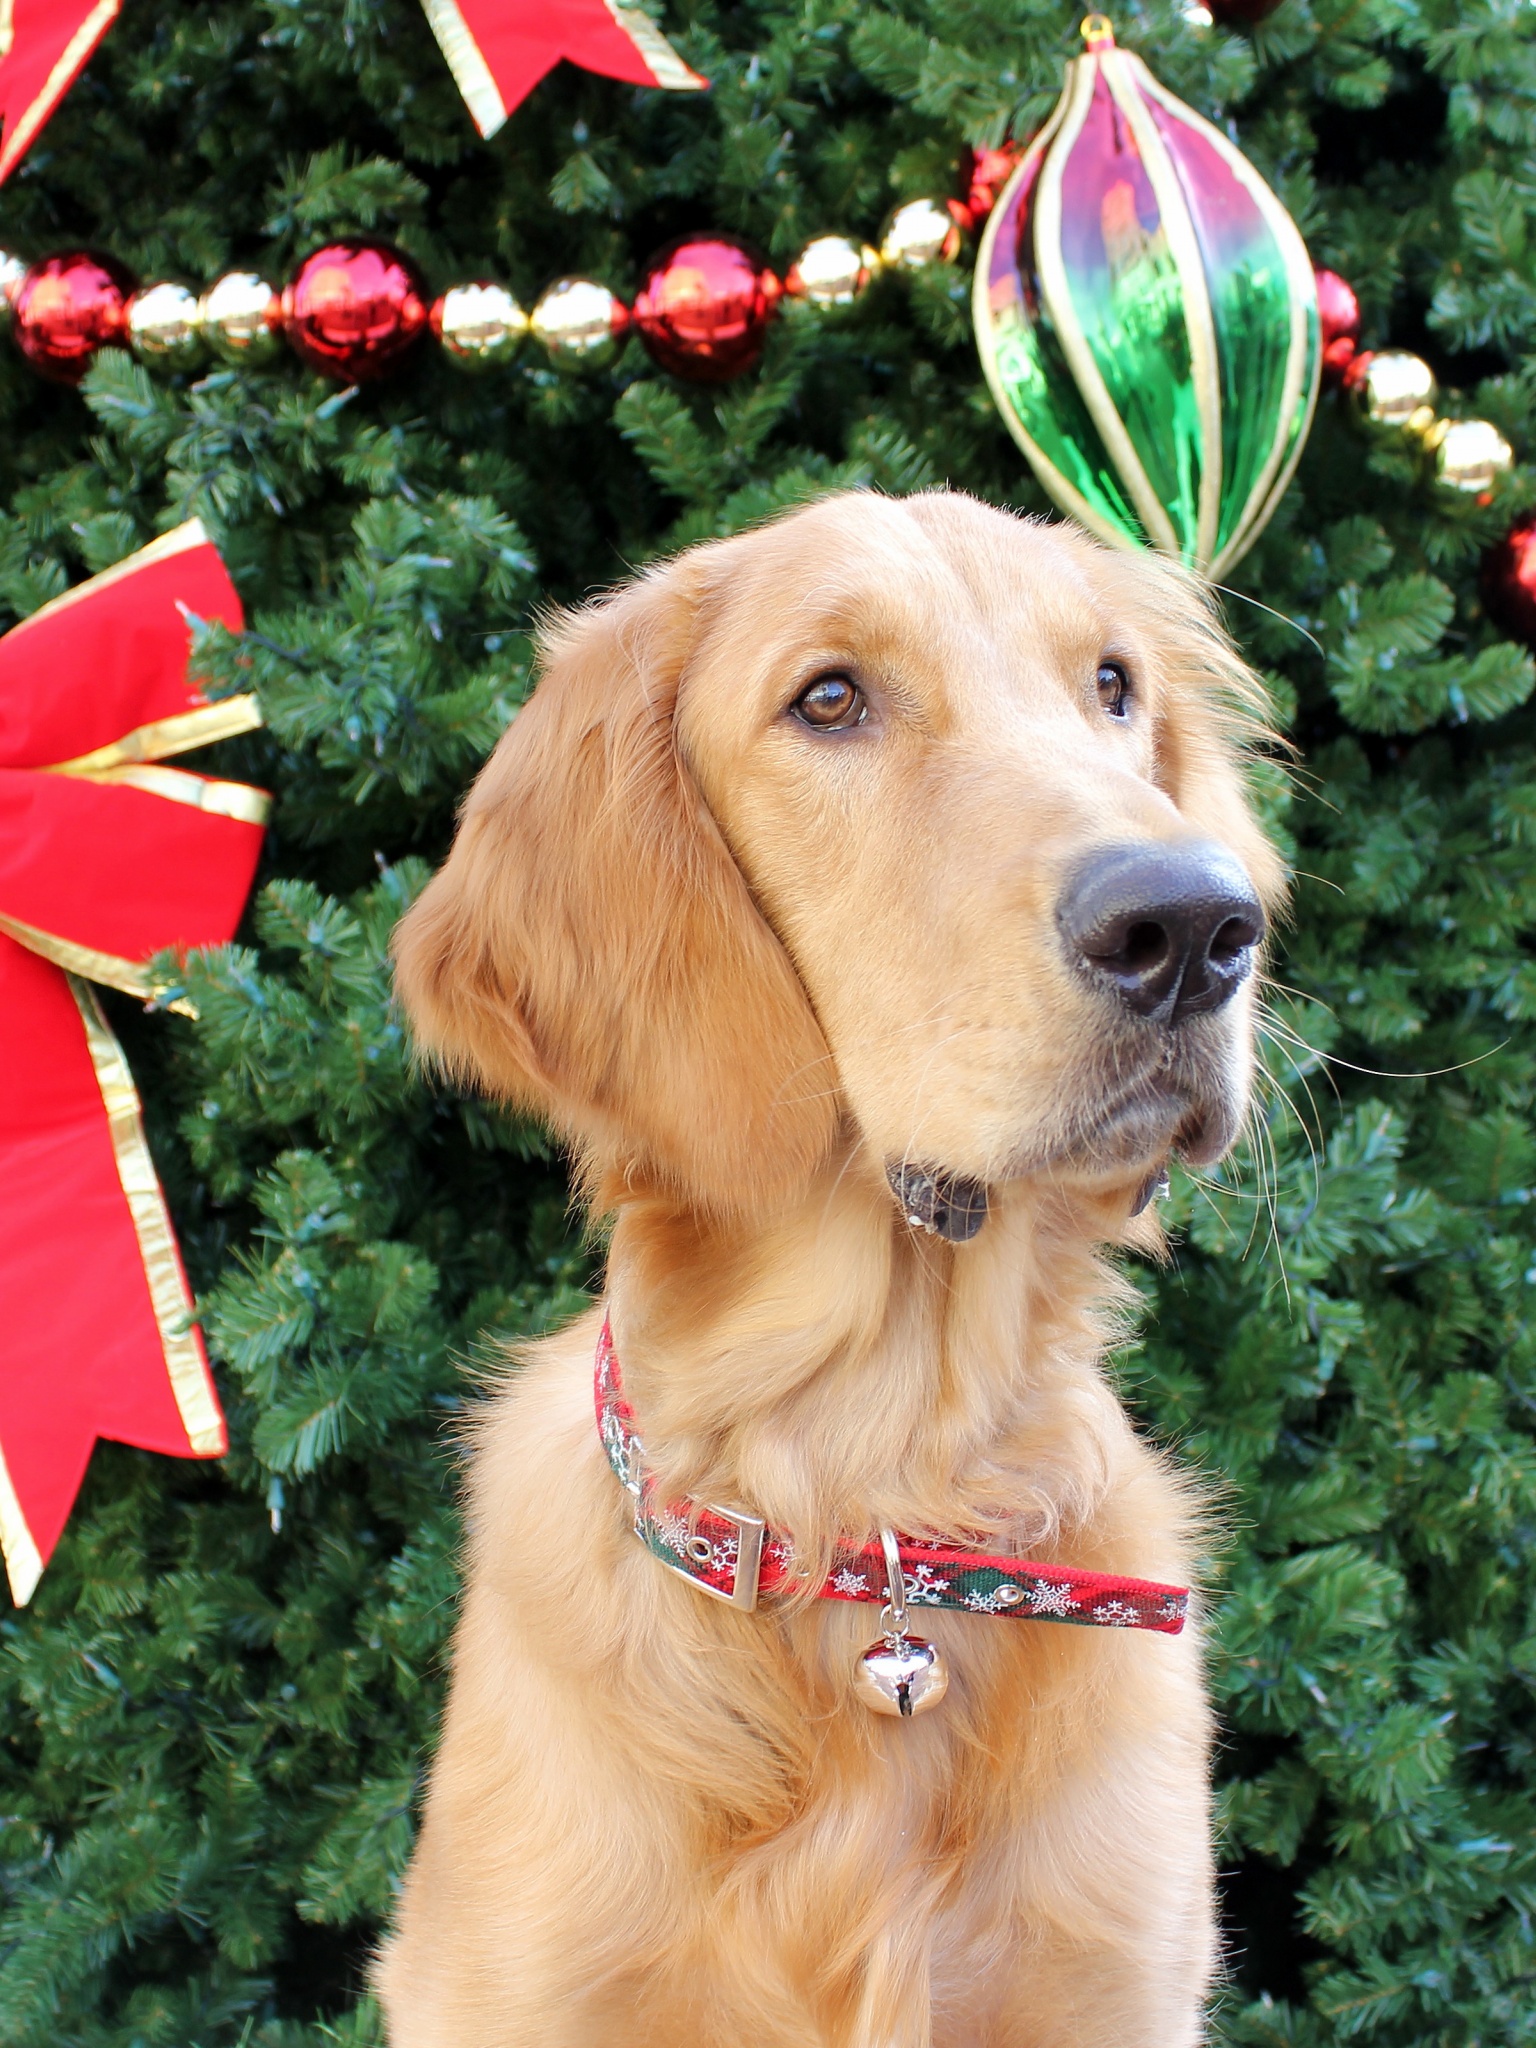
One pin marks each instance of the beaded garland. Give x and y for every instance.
(356, 308)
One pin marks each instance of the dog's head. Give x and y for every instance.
(910, 820)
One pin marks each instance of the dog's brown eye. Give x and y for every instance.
(830, 704)
(1114, 689)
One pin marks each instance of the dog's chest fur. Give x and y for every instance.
(758, 1860)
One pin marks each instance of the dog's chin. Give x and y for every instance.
(1136, 1134)
(1139, 1135)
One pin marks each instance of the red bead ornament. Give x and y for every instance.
(983, 173)
(354, 310)
(1509, 581)
(704, 307)
(67, 307)
(1338, 318)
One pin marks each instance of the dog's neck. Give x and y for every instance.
(834, 1370)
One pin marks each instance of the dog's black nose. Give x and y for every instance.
(1171, 929)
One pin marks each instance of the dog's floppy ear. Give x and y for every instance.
(590, 949)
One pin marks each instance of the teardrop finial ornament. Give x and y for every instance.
(1146, 315)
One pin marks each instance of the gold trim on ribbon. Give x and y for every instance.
(178, 734)
(1126, 73)
(201, 792)
(666, 67)
(7, 35)
(77, 50)
(23, 1561)
(131, 762)
(191, 534)
(471, 74)
(172, 1303)
(1056, 291)
(85, 962)
(986, 322)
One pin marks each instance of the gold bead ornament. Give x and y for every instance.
(1470, 455)
(918, 234)
(1395, 389)
(241, 316)
(581, 324)
(165, 325)
(481, 326)
(832, 271)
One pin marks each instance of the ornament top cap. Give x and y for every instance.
(1098, 32)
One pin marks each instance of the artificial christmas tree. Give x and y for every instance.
(216, 1708)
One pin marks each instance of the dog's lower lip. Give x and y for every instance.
(1142, 1128)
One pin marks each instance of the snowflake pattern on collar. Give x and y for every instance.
(705, 1547)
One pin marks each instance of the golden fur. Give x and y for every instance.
(742, 968)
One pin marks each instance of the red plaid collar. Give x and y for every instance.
(737, 1558)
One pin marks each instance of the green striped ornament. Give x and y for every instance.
(1147, 318)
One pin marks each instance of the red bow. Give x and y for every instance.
(44, 45)
(105, 859)
(498, 50)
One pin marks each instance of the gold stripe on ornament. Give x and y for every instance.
(19, 133)
(1056, 292)
(1127, 77)
(201, 792)
(168, 1293)
(23, 1560)
(1303, 370)
(191, 534)
(471, 74)
(1270, 484)
(224, 720)
(1059, 486)
(987, 324)
(1295, 425)
(110, 969)
(667, 68)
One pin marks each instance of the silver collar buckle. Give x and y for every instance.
(750, 1530)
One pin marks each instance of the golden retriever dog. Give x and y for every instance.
(872, 902)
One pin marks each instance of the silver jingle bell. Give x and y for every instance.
(901, 1675)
